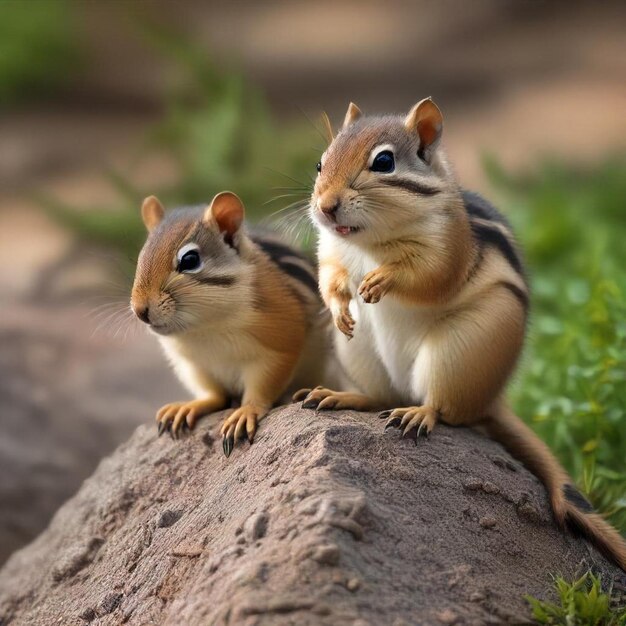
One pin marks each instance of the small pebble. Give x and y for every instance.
(169, 518)
(255, 526)
(353, 584)
(489, 487)
(110, 603)
(88, 615)
(529, 512)
(473, 484)
(326, 555)
(447, 617)
(487, 521)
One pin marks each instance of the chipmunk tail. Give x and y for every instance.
(571, 509)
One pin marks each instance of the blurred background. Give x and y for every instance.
(104, 103)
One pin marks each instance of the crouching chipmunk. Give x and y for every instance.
(237, 314)
(429, 296)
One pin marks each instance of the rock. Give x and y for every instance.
(327, 555)
(488, 521)
(168, 518)
(256, 526)
(325, 520)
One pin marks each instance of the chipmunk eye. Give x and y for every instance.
(189, 259)
(319, 166)
(383, 162)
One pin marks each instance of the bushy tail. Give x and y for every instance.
(570, 507)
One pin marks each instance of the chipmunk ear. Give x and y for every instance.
(227, 211)
(352, 115)
(152, 212)
(426, 120)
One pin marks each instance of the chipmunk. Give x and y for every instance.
(429, 297)
(237, 314)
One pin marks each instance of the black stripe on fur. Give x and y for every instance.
(284, 257)
(299, 273)
(477, 206)
(217, 281)
(492, 236)
(520, 294)
(573, 496)
(411, 185)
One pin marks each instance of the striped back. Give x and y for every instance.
(289, 260)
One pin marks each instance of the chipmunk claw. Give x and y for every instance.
(327, 404)
(393, 422)
(161, 428)
(241, 424)
(301, 394)
(310, 403)
(422, 431)
(228, 443)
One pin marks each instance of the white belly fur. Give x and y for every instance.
(391, 332)
(215, 356)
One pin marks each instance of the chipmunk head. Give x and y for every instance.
(382, 174)
(189, 271)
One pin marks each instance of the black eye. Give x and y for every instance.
(383, 162)
(319, 166)
(189, 261)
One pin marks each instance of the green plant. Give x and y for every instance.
(581, 603)
(37, 49)
(571, 386)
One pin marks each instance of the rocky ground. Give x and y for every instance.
(325, 519)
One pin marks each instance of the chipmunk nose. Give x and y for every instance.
(329, 208)
(143, 313)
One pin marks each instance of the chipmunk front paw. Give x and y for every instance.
(176, 416)
(420, 419)
(375, 285)
(245, 418)
(343, 318)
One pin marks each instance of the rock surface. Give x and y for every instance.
(324, 520)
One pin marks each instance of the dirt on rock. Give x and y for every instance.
(325, 519)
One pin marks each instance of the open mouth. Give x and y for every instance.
(344, 231)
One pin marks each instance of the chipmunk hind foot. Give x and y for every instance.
(412, 420)
(323, 399)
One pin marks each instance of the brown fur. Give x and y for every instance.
(235, 326)
(451, 259)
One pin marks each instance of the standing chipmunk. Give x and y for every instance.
(237, 315)
(428, 292)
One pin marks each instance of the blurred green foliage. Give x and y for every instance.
(572, 384)
(38, 49)
(581, 603)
